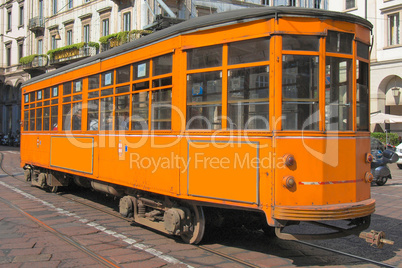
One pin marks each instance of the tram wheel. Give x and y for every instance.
(27, 174)
(381, 181)
(53, 189)
(196, 226)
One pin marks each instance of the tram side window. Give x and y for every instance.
(362, 96)
(338, 94)
(301, 42)
(141, 70)
(162, 108)
(122, 112)
(107, 79)
(26, 120)
(204, 89)
(39, 119)
(106, 114)
(204, 57)
(248, 98)
(254, 50)
(66, 117)
(93, 82)
(46, 118)
(77, 116)
(339, 42)
(139, 113)
(204, 100)
(54, 110)
(93, 115)
(300, 92)
(123, 74)
(54, 117)
(32, 119)
(248, 88)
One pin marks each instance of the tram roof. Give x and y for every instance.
(210, 21)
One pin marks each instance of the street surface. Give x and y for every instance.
(42, 229)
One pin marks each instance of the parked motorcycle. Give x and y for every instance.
(5, 140)
(16, 140)
(379, 168)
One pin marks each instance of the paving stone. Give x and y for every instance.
(32, 258)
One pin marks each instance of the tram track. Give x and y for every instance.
(202, 247)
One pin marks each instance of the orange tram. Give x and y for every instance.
(258, 114)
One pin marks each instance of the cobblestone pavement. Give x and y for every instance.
(55, 232)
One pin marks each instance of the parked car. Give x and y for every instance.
(399, 153)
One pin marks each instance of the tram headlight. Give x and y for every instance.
(368, 177)
(289, 160)
(288, 182)
(369, 158)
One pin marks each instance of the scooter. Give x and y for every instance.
(379, 168)
(5, 140)
(16, 142)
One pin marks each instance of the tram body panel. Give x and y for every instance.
(325, 172)
(132, 161)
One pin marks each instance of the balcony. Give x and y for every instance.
(34, 64)
(114, 40)
(68, 54)
(36, 24)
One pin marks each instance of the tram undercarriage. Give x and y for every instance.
(187, 219)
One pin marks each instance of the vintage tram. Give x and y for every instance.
(261, 111)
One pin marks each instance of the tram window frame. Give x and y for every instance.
(362, 95)
(122, 114)
(205, 57)
(339, 94)
(301, 42)
(93, 82)
(339, 42)
(139, 119)
(247, 51)
(296, 115)
(141, 70)
(107, 78)
(121, 77)
(248, 99)
(72, 100)
(204, 87)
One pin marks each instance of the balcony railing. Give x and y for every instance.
(37, 23)
(72, 54)
(39, 61)
(115, 40)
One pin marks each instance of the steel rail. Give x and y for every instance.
(381, 264)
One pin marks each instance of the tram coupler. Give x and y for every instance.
(375, 238)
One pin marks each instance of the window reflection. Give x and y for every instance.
(204, 100)
(248, 98)
(338, 94)
(300, 92)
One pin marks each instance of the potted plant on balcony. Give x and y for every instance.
(71, 50)
(117, 39)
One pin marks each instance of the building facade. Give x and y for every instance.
(386, 53)
(41, 35)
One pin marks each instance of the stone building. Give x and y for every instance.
(38, 36)
(386, 53)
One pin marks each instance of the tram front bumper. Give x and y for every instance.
(325, 212)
